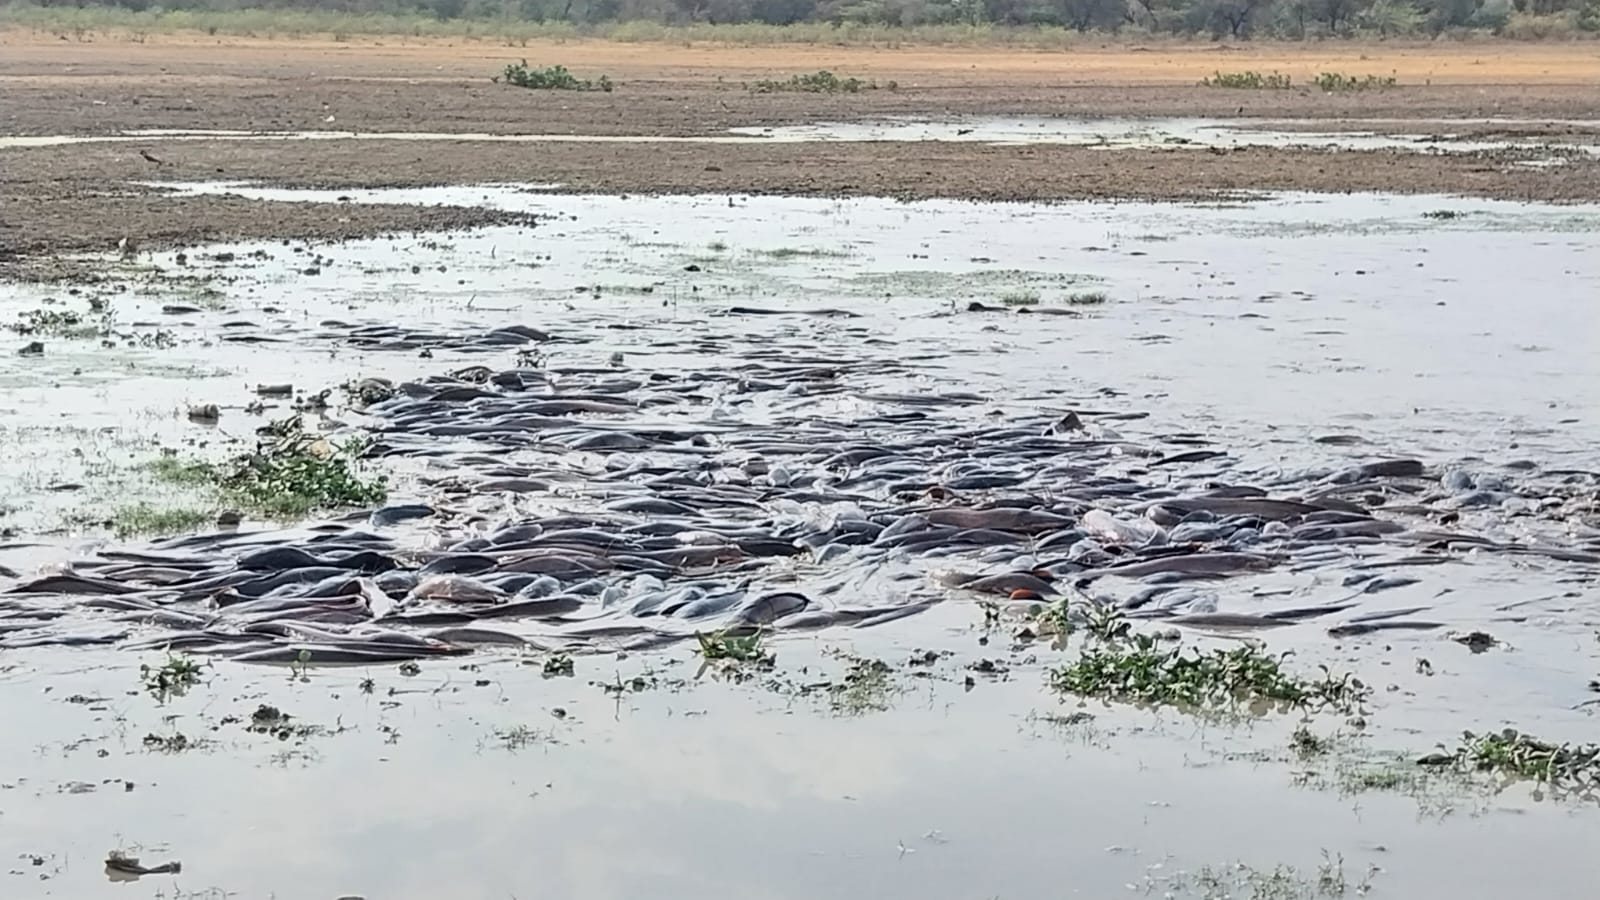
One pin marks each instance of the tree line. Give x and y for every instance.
(1241, 19)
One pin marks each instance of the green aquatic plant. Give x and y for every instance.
(292, 472)
(1087, 298)
(289, 473)
(1020, 298)
(1139, 668)
(558, 665)
(736, 646)
(865, 687)
(1246, 882)
(172, 678)
(1517, 755)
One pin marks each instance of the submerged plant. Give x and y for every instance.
(864, 688)
(63, 323)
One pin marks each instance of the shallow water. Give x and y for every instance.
(1109, 133)
(676, 792)
(1258, 325)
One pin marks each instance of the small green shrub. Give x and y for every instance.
(1335, 83)
(1248, 81)
(551, 78)
(822, 82)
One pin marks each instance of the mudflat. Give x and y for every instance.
(1525, 106)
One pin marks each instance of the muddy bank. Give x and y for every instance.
(86, 197)
(37, 229)
(55, 86)
(670, 107)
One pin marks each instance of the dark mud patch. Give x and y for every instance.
(45, 220)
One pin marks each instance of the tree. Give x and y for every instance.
(1234, 16)
(1086, 14)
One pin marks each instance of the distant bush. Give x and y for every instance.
(1335, 83)
(1250, 81)
(1531, 27)
(823, 82)
(552, 78)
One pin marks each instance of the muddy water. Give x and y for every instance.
(1260, 326)
(1107, 133)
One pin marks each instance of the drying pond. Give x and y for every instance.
(1426, 136)
(889, 436)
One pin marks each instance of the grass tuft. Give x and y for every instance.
(147, 520)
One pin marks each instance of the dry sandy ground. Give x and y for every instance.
(86, 196)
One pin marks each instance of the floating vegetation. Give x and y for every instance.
(271, 720)
(550, 78)
(290, 473)
(801, 252)
(1020, 298)
(1514, 754)
(522, 736)
(1087, 298)
(177, 742)
(735, 646)
(1278, 883)
(63, 323)
(1335, 83)
(865, 687)
(1248, 81)
(172, 678)
(1443, 214)
(1306, 743)
(1138, 668)
(821, 82)
(558, 665)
